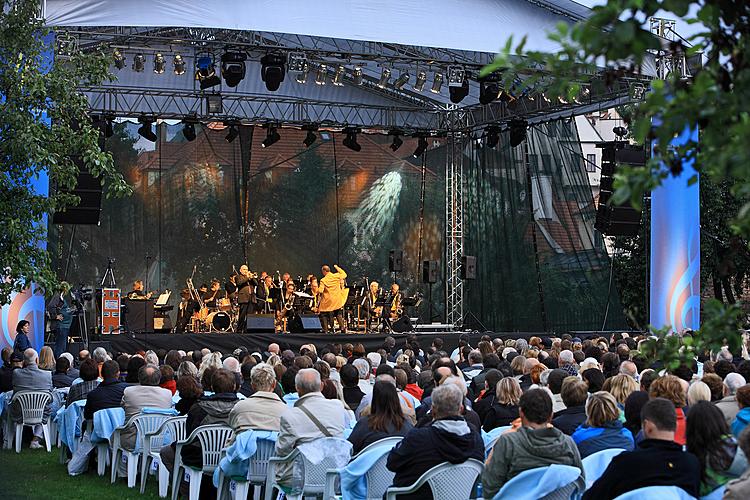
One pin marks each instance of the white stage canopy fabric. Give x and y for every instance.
(472, 25)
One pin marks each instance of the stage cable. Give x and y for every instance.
(421, 214)
(336, 180)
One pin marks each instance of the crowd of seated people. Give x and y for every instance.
(557, 400)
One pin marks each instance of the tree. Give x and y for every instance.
(44, 124)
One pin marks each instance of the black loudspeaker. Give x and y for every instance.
(617, 220)
(260, 323)
(430, 271)
(468, 267)
(402, 324)
(396, 261)
(89, 190)
(305, 323)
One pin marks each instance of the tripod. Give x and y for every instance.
(109, 273)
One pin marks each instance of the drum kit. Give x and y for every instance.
(211, 319)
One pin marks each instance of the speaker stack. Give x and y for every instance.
(612, 219)
(89, 190)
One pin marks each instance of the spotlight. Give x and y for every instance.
(421, 79)
(517, 132)
(118, 58)
(233, 67)
(620, 131)
(232, 133)
(457, 94)
(206, 72)
(302, 75)
(179, 64)
(456, 76)
(273, 70)
(421, 147)
(489, 88)
(320, 76)
(188, 130)
(350, 141)
(402, 79)
(310, 138)
(385, 75)
(397, 141)
(297, 62)
(138, 63)
(491, 137)
(338, 76)
(357, 75)
(437, 83)
(146, 131)
(159, 64)
(272, 137)
(214, 104)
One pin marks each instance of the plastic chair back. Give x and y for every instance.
(258, 469)
(213, 439)
(449, 480)
(32, 405)
(172, 428)
(595, 464)
(393, 441)
(657, 493)
(147, 424)
(554, 481)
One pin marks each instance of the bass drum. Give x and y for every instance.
(219, 320)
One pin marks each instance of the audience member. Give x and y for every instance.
(728, 404)
(47, 359)
(263, 408)
(739, 489)
(147, 394)
(190, 391)
(90, 377)
(669, 387)
(698, 391)
(632, 412)
(11, 361)
(385, 417)
(31, 378)
(350, 381)
(594, 378)
(108, 394)
(364, 371)
(743, 416)
(167, 379)
(554, 384)
(61, 377)
(574, 394)
(135, 363)
(505, 409)
(603, 429)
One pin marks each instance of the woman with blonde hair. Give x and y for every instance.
(620, 386)
(603, 429)
(698, 391)
(47, 359)
(505, 410)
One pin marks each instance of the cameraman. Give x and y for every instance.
(60, 317)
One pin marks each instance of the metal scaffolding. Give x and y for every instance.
(454, 244)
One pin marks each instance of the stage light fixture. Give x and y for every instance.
(457, 94)
(357, 75)
(206, 72)
(350, 141)
(272, 137)
(302, 75)
(421, 147)
(507, 96)
(437, 83)
(146, 130)
(397, 141)
(233, 67)
(188, 130)
(159, 63)
(456, 76)
(402, 80)
(491, 137)
(118, 58)
(489, 88)
(338, 76)
(385, 75)
(139, 62)
(517, 132)
(232, 133)
(310, 138)
(109, 129)
(273, 70)
(321, 75)
(421, 79)
(179, 64)
(214, 104)
(297, 62)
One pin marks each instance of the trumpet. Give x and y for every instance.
(399, 311)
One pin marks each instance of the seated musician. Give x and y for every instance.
(185, 310)
(137, 292)
(212, 296)
(395, 301)
(371, 311)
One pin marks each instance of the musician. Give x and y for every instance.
(333, 296)
(289, 295)
(60, 315)
(372, 311)
(137, 292)
(395, 310)
(246, 283)
(315, 300)
(286, 309)
(285, 278)
(185, 310)
(212, 296)
(264, 300)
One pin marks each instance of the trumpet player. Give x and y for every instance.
(246, 283)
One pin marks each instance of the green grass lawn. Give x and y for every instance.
(38, 475)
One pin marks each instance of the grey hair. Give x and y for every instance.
(187, 368)
(149, 374)
(307, 380)
(475, 356)
(724, 354)
(733, 381)
(566, 356)
(385, 377)
(363, 367)
(67, 356)
(151, 358)
(456, 381)
(262, 377)
(100, 355)
(447, 400)
(629, 368)
(232, 364)
(30, 356)
(544, 378)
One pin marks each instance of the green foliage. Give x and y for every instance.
(34, 92)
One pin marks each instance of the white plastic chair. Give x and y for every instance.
(313, 475)
(213, 439)
(595, 464)
(32, 405)
(553, 482)
(144, 423)
(152, 444)
(657, 493)
(446, 480)
(378, 477)
(256, 474)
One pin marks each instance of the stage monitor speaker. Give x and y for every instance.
(305, 323)
(430, 271)
(89, 190)
(402, 324)
(260, 323)
(468, 267)
(396, 261)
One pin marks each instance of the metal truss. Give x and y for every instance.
(454, 247)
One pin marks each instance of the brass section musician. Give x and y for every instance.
(396, 310)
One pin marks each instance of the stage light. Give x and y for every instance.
(214, 104)
(620, 131)
(507, 96)
(159, 63)
(421, 147)
(456, 76)
(437, 83)
(109, 130)
(357, 75)
(421, 79)
(179, 64)
(310, 138)
(146, 131)
(302, 75)
(321, 75)
(397, 141)
(232, 133)
(385, 75)
(350, 141)
(402, 80)
(272, 137)
(297, 62)
(206, 72)
(338, 76)
(457, 94)
(273, 70)
(233, 67)
(118, 58)
(491, 137)
(139, 62)
(489, 88)
(517, 132)
(188, 130)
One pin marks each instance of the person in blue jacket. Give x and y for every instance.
(22, 341)
(603, 429)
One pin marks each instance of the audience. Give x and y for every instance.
(31, 378)
(90, 377)
(728, 404)
(108, 394)
(385, 417)
(61, 377)
(574, 394)
(670, 388)
(603, 429)
(505, 409)
(147, 394)
(739, 489)
(743, 416)
(11, 361)
(350, 381)
(263, 408)
(189, 391)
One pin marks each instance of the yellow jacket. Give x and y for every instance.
(333, 295)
